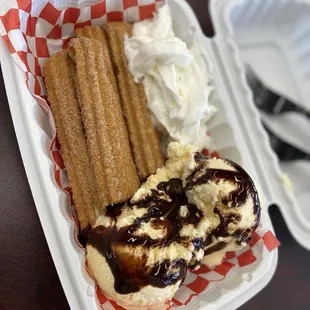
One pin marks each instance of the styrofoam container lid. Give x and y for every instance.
(273, 38)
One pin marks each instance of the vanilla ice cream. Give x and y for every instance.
(192, 211)
(176, 78)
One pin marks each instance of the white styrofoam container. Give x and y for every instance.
(273, 38)
(235, 129)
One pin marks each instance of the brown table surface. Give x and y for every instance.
(28, 279)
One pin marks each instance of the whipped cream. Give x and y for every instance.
(176, 78)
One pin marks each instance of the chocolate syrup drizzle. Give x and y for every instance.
(244, 188)
(130, 271)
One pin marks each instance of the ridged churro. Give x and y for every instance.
(94, 32)
(103, 120)
(70, 132)
(143, 137)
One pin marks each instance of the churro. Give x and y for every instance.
(70, 133)
(94, 32)
(143, 137)
(103, 120)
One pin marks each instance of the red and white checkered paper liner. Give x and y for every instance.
(35, 30)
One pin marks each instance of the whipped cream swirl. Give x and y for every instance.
(176, 78)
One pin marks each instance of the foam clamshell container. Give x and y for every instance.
(236, 130)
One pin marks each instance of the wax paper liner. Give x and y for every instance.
(35, 30)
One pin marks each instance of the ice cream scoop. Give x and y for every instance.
(191, 211)
(227, 195)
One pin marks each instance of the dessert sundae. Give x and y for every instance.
(119, 96)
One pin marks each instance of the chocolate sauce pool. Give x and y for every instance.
(130, 271)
